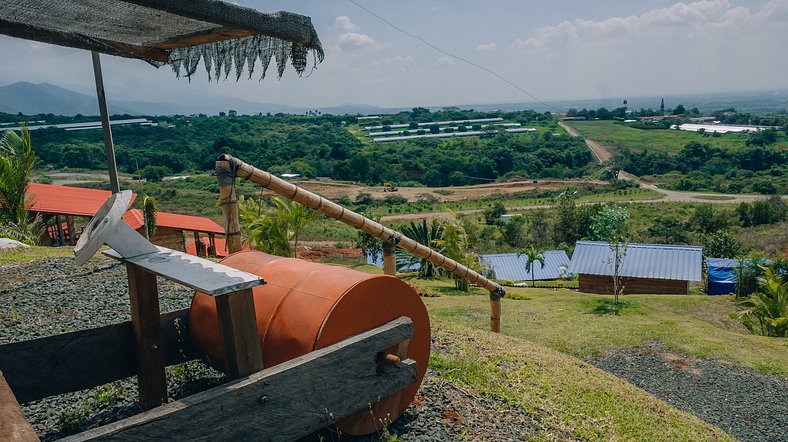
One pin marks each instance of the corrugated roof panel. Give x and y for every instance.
(658, 261)
(511, 267)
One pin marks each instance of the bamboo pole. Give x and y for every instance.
(226, 176)
(353, 219)
(389, 258)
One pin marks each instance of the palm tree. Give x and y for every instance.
(532, 255)
(297, 217)
(768, 307)
(455, 244)
(270, 229)
(17, 161)
(424, 235)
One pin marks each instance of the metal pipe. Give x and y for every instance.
(109, 147)
(289, 190)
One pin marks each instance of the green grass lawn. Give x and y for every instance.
(573, 323)
(35, 254)
(662, 140)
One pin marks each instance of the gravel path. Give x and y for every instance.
(750, 405)
(53, 296)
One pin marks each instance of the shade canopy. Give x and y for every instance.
(179, 33)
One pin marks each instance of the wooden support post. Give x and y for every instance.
(197, 244)
(72, 234)
(148, 338)
(390, 258)
(14, 426)
(495, 314)
(226, 178)
(240, 339)
(61, 240)
(211, 245)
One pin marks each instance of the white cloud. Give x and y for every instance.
(445, 61)
(343, 22)
(709, 20)
(354, 40)
(486, 47)
(399, 62)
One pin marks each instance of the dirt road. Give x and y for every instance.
(600, 151)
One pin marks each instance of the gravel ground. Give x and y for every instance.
(53, 296)
(750, 405)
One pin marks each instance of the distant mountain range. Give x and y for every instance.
(45, 98)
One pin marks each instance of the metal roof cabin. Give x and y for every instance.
(645, 268)
(509, 266)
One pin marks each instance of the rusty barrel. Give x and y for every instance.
(306, 306)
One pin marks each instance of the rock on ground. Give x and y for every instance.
(752, 406)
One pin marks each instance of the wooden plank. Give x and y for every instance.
(240, 339)
(83, 359)
(209, 277)
(14, 426)
(280, 403)
(148, 337)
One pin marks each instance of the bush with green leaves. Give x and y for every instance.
(17, 160)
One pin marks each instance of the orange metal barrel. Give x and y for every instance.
(306, 306)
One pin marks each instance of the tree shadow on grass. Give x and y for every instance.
(605, 306)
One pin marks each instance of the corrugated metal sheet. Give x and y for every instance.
(184, 222)
(658, 261)
(65, 200)
(511, 267)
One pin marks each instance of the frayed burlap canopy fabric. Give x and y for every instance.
(225, 37)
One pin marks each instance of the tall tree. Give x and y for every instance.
(610, 225)
(532, 255)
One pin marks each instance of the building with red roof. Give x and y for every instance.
(171, 228)
(58, 205)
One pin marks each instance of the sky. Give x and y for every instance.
(554, 50)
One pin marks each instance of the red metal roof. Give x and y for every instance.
(134, 219)
(64, 200)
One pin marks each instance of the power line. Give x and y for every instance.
(478, 66)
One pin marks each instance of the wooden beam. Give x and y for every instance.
(14, 426)
(240, 339)
(280, 403)
(148, 337)
(58, 364)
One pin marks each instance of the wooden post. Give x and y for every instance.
(14, 426)
(72, 234)
(61, 240)
(495, 314)
(148, 338)
(226, 178)
(390, 258)
(240, 339)
(211, 245)
(197, 244)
